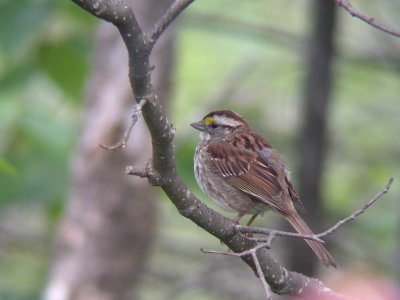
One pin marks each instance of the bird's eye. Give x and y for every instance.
(213, 125)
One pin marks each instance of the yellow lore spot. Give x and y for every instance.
(208, 120)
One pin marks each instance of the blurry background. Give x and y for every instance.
(322, 87)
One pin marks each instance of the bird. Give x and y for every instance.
(244, 174)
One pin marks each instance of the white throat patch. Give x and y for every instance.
(204, 136)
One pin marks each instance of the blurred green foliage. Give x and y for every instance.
(44, 57)
(44, 60)
(44, 52)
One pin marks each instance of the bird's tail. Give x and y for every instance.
(301, 227)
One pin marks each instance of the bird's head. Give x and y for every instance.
(219, 124)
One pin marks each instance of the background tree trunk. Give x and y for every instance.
(312, 141)
(109, 219)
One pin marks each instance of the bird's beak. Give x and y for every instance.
(198, 125)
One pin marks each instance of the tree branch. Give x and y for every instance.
(175, 9)
(370, 20)
(161, 170)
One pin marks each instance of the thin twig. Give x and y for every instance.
(142, 173)
(266, 231)
(253, 254)
(210, 251)
(357, 212)
(261, 276)
(173, 11)
(271, 233)
(267, 241)
(362, 16)
(124, 140)
(237, 254)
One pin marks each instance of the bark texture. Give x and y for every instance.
(109, 220)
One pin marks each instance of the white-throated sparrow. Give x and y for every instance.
(241, 172)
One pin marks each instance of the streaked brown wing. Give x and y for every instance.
(294, 195)
(249, 173)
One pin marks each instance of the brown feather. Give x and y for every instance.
(301, 227)
(253, 176)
